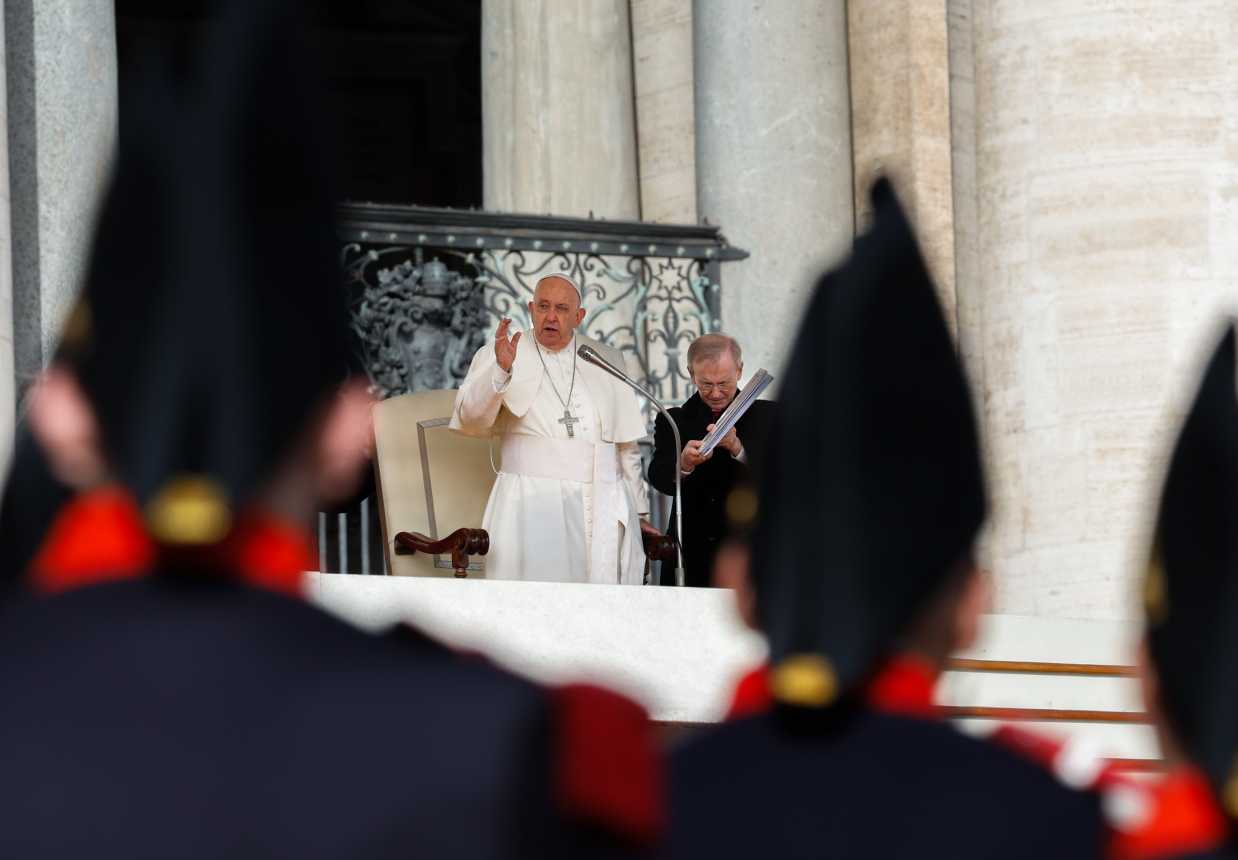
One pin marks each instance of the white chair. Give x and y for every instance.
(432, 487)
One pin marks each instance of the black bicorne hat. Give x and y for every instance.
(212, 326)
(1191, 587)
(874, 491)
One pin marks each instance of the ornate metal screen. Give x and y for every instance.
(428, 287)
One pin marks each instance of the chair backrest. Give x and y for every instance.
(430, 479)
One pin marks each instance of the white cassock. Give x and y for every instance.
(564, 508)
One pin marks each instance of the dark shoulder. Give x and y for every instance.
(986, 769)
(409, 656)
(267, 703)
(872, 764)
(242, 630)
(938, 750)
(1225, 852)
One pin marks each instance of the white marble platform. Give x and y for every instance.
(680, 651)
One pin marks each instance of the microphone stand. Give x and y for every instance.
(592, 356)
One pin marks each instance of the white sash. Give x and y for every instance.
(585, 463)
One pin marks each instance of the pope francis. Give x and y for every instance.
(567, 503)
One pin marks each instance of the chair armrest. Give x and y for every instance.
(659, 546)
(461, 544)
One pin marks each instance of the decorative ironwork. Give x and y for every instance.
(418, 323)
(429, 286)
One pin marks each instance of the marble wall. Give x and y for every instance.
(1106, 210)
(900, 120)
(962, 87)
(60, 58)
(665, 112)
(773, 156)
(7, 364)
(558, 121)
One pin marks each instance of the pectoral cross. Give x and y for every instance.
(567, 421)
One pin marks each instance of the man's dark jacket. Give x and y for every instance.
(705, 490)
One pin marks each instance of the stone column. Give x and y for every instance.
(962, 70)
(7, 378)
(61, 68)
(900, 120)
(1106, 185)
(665, 115)
(968, 289)
(558, 123)
(773, 156)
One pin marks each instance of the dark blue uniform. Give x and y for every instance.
(186, 712)
(157, 719)
(872, 785)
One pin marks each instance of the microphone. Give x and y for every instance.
(595, 358)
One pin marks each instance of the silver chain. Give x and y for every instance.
(546, 370)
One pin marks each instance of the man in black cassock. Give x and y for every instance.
(166, 690)
(715, 365)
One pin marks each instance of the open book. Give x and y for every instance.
(758, 383)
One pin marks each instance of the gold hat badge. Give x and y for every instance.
(741, 507)
(76, 334)
(1155, 589)
(806, 680)
(1230, 792)
(189, 510)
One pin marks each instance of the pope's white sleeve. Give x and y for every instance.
(481, 393)
(630, 462)
(502, 378)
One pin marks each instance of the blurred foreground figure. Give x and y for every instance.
(165, 691)
(1190, 649)
(32, 498)
(864, 584)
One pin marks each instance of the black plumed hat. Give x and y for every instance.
(212, 324)
(874, 491)
(1191, 587)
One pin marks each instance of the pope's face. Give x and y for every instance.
(556, 312)
(717, 380)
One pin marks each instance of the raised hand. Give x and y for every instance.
(504, 349)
